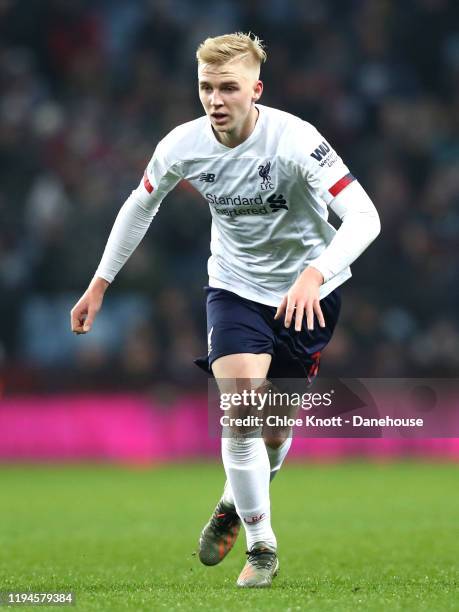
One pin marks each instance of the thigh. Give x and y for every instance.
(241, 371)
(237, 328)
(297, 354)
(240, 379)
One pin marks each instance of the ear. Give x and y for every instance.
(257, 91)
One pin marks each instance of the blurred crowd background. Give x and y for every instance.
(87, 89)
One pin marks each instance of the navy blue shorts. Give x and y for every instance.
(238, 325)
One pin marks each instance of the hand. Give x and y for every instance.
(303, 296)
(85, 310)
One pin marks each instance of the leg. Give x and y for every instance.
(278, 438)
(277, 441)
(242, 332)
(277, 450)
(244, 454)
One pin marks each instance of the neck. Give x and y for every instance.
(236, 137)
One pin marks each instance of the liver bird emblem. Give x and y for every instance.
(263, 171)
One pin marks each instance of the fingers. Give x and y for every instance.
(83, 324)
(310, 316)
(281, 308)
(299, 317)
(309, 308)
(289, 311)
(84, 312)
(78, 327)
(313, 308)
(288, 306)
(79, 319)
(319, 314)
(89, 320)
(76, 321)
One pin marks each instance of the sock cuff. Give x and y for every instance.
(245, 454)
(277, 455)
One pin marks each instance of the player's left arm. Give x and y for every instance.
(360, 226)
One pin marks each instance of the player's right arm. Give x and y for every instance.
(131, 224)
(85, 310)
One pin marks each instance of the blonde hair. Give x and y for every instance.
(222, 49)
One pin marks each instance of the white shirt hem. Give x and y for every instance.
(271, 299)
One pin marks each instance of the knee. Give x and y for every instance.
(241, 449)
(273, 441)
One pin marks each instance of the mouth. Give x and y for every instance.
(219, 117)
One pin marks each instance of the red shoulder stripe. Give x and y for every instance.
(341, 184)
(146, 183)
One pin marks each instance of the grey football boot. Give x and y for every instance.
(219, 535)
(261, 567)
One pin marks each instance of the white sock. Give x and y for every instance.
(277, 455)
(276, 458)
(247, 470)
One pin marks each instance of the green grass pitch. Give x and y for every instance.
(354, 536)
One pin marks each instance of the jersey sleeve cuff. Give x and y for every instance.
(318, 264)
(105, 275)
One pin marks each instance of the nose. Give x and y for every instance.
(215, 98)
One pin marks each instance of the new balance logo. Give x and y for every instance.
(276, 202)
(254, 519)
(207, 177)
(321, 151)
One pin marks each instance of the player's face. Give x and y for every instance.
(227, 93)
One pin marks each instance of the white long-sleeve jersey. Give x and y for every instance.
(268, 198)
